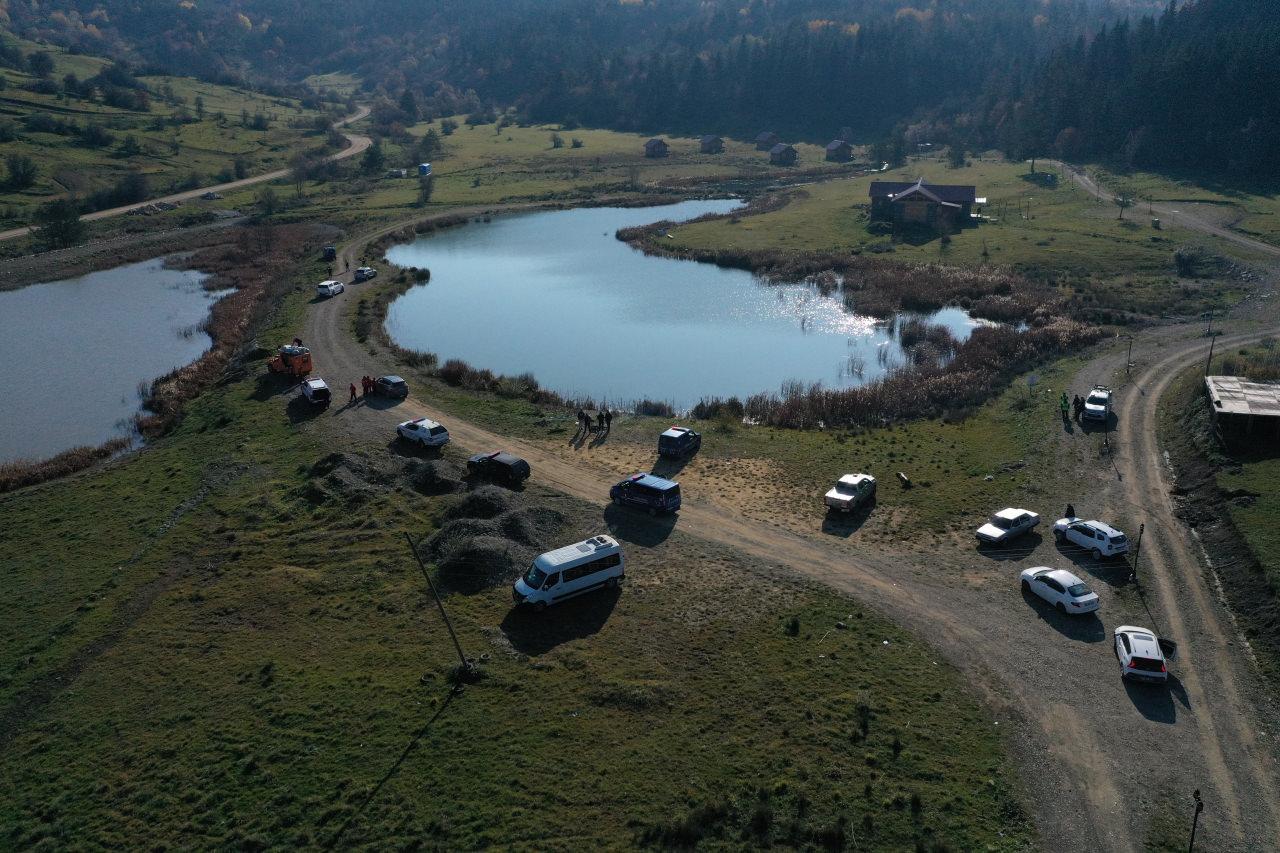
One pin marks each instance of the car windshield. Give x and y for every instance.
(1097, 400)
(437, 429)
(1144, 637)
(534, 577)
(846, 488)
(1117, 539)
(1001, 522)
(1079, 589)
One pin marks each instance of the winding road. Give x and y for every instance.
(356, 143)
(1097, 755)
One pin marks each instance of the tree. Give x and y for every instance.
(130, 147)
(409, 105)
(557, 141)
(240, 168)
(22, 172)
(426, 185)
(374, 159)
(1123, 200)
(58, 224)
(268, 201)
(40, 63)
(955, 155)
(300, 166)
(200, 107)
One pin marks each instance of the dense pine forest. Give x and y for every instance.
(1188, 86)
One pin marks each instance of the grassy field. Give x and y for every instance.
(1253, 210)
(172, 156)
(240, 654)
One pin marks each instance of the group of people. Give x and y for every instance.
(1077, 406)
(366, 384)
(604, 421)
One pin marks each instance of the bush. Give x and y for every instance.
(654, 409)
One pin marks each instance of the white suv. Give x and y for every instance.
(1101, 540)
(330, 288)
(1097, 406)
(1140, 654)
(426, 432)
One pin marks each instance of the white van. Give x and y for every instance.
(595, 563)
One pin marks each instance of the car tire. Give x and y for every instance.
(612, 583)
(1058, 536)
(653, 512)
(1058, 607)
(540, 607)
(1026, 587)
(1097, 555)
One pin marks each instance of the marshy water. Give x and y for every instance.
(556, 294)
(73, 353)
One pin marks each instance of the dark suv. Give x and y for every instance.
(679, 441)
(647, 492)
(391, 386)
(499, 465)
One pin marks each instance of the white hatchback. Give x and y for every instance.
(330, 288)
(1140, 654)
(1066, 592)
(1100, 540)
(426, 432)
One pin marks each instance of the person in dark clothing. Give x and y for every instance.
(353, 392)
(608, 420)
(1078, 405)
(599, 421)
(1071, 511)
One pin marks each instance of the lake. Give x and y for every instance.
(556, 294)
(73, 353)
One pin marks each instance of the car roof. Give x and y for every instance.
(392, 379)
(675, 432)
(653, 482)
(1013, 512)
(1142, 648)
(316, 382)
(553, 559)
(328, 282)
(1103, 527)
(426, 422)
(855, 479)
(1064, 577)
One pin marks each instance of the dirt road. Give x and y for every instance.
(356, 143)
(1096, 754)
(1177, 215)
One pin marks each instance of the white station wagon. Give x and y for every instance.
(1140, 655)
(330, 288)
(1066, 592)
(1006, 525)
(1100, 540)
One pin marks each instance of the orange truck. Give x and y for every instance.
(292, 360)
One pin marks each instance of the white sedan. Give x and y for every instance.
(426, 432)
(1006, 525)
(1140, 654)
(1100, 540)
(1066, 592)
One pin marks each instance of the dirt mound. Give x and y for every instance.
(349, 479)
(530, 526)
(484, 502)
(477, 563)
(433, 477)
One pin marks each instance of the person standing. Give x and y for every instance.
(1071, 510)
(608, 421)
(599, 421)
(353, 393)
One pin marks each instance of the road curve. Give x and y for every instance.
(1085, 742)
(356, 143)
(1178, 217)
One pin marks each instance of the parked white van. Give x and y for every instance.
(595, 563)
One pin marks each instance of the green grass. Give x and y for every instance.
(1055, 227)
(169, 156)
(250, 676)
(1254, 210)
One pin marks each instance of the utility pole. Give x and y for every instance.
(1195, 820)
(1137, 550)
(1213, 339)
(466, 665)
(1128, 360)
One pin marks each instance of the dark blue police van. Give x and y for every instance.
(647, 492)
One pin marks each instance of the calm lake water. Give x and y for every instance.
(556, 294)
(73, 352)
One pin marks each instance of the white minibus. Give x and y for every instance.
(595, 563)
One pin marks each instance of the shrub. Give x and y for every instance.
(477, 565)
(654, 408)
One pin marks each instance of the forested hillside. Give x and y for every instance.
(1191, 85)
